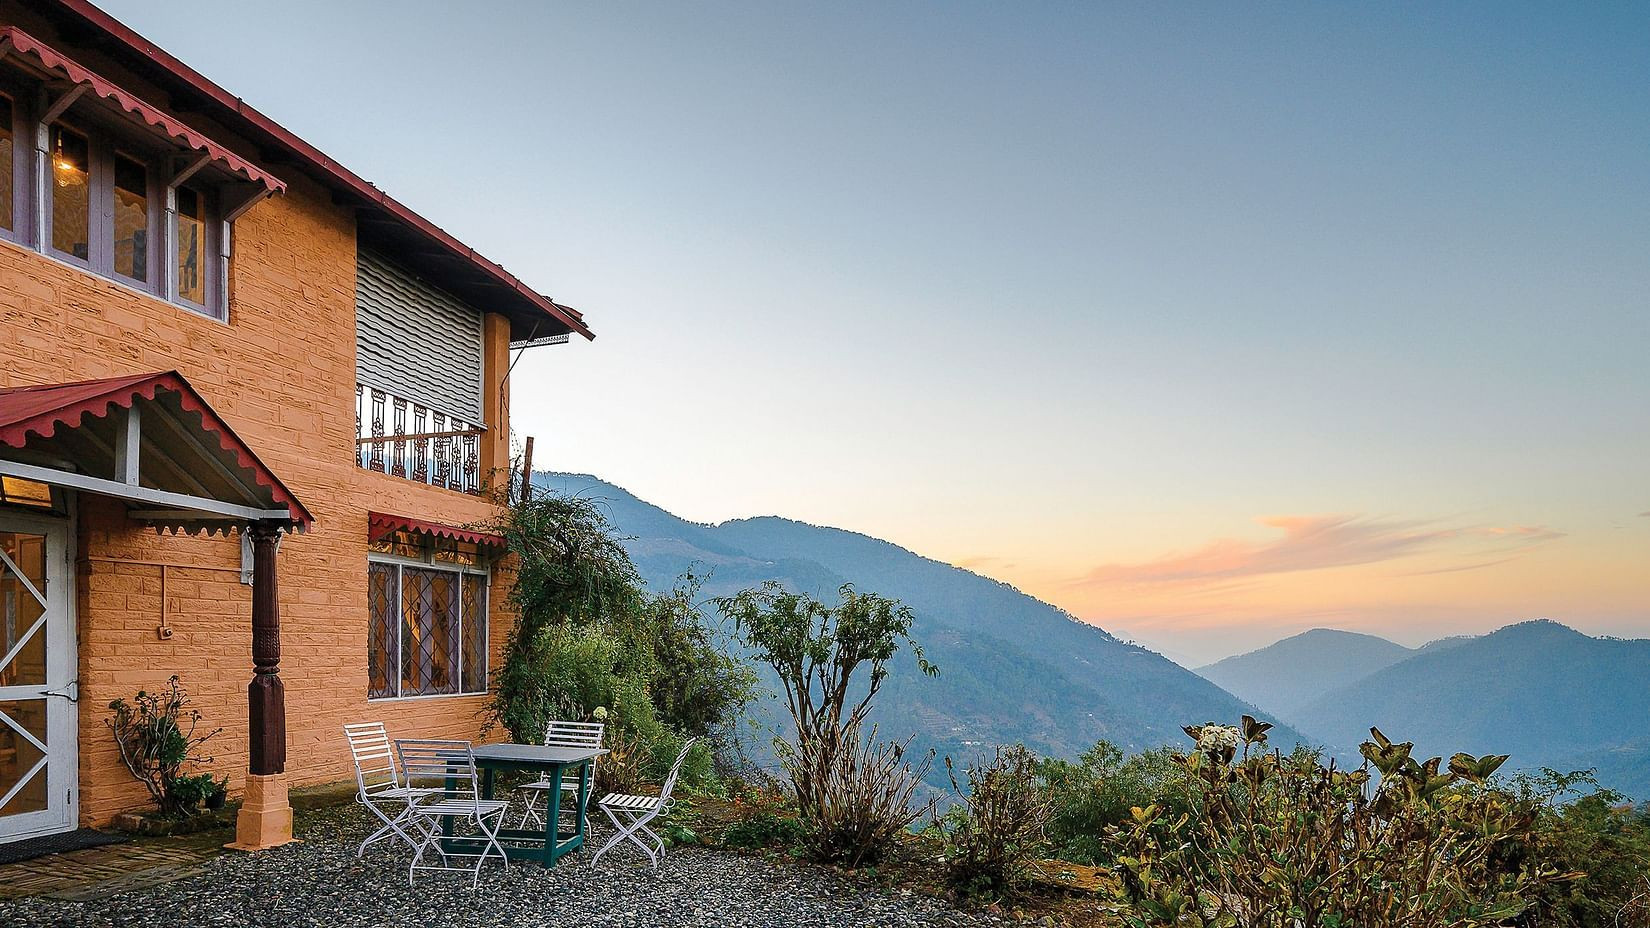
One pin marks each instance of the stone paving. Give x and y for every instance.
(96, 872)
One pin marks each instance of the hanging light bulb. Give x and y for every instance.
(65, 168)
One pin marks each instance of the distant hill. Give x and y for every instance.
(1285, 676)
(1540, 691)
(1012, 668)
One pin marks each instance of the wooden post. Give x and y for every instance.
(265, 818)
(527, 470)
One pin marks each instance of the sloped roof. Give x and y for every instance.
(196, 452)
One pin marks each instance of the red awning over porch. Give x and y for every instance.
(148, 439)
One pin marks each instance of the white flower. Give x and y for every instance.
(600, 714)
(1216, 738)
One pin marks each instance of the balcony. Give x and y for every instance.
(401, 438)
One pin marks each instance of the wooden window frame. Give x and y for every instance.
(393, 659)
(33, 188)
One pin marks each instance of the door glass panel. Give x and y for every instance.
(71, 201)
(21, 769)
(20, 611)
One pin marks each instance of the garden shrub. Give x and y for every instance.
(1097, 791)
(862, 795)
(589, 642)
(764, 829)
(996, 827)
(156, 735)
(1288, 841)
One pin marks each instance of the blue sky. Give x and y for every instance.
(1093, 298)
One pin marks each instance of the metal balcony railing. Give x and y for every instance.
(396, 436)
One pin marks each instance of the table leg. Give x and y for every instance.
(552, 818)
(584, 797)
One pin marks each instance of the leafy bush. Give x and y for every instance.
(1098, 790)
(1276, 841)
(765, 829)
(589, 641)
(1597, 834)
(996, 827)
(156, 736)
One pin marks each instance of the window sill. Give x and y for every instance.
(69, 262)
(383, 699)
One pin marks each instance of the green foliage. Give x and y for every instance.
(1097, 791)
(853, 794)
(156, 737)
(569, 571)
(1596, 833)
(1287, 841)
(590, 643)
(765, 829)
(996, 827)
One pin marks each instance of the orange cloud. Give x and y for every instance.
(1309, 543)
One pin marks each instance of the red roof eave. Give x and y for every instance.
(337, 172)
(380, 525)
(54, 61)
(40, 410)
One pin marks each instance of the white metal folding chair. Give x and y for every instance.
(560, 735)
(380, 786)
(449, 767)
(630, 815)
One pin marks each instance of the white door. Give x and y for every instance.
(38, 740)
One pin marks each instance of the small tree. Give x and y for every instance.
(816, 650)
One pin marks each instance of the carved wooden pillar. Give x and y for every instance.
(265, 818)
(266, 696)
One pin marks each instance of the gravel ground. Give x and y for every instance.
(320, 882)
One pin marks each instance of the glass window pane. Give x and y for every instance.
(191, 233)
(381, 639)
(20, 759)
(7, 184)
(429, 632)
(131, 218)
(474, 611)
(71, 175)
(20, 611)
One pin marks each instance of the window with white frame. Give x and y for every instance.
(427, 617)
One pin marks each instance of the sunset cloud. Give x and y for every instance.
(1316, 543)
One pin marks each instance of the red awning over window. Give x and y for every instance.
(380, 526)
(52, 61)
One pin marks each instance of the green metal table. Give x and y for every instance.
(550, 844)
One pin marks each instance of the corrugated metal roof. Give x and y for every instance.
(55, 62)
(35, 414)
(494, 287)
(380, 525)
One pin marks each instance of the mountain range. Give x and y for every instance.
(1012, 668)
(1540, 691)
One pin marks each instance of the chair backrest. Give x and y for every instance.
(676, 768)
(444, 765)
(369, 748)
(559, 734)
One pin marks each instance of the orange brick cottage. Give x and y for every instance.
(240, 388)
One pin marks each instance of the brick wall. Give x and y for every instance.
(282, 374)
